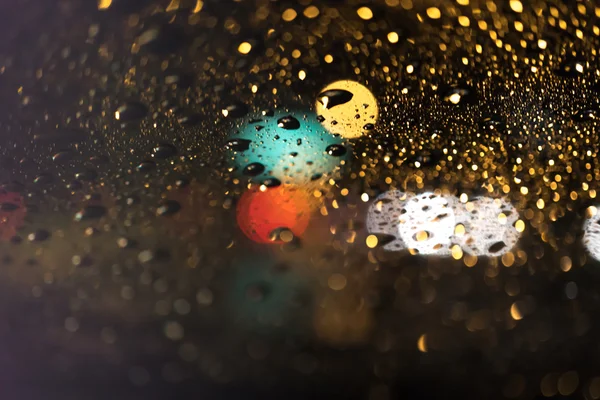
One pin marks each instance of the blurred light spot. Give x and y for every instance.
(104, 4)
(516, 6)
(365, 13)
(422, 343)
(311, 12)
(289, 15)
(393, 37)
(568, 382)
(434, 13)
(372, 241)
(337, 282)
(515, 313)
(244, 47)
(566, 263)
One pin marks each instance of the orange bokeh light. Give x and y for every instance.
(259, 212)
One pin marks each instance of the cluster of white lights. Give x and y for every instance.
(430, 223)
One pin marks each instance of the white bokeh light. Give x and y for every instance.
(591, 234)
(432, 224)
(489, 227)
(427, 223)
(383, 216)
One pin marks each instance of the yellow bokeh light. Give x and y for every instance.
(434, 13)
(104, 4)
(289, 15)
(365, 13)
(341, 119)
(311, 12)
(244, 47)
(393, 37)
(422, 343)
(372, 241)
(516, 6)
(515, 313)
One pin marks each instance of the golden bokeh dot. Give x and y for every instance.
(565, 263)
(434, 13)
(337, 281)
(516, 6)
(244, 48)
(311, 12)
(568, 382)
(422, 343)
(595, 388)
(349, 118)
(365, 13)
(470, 260)
(457, 252)
(548, 385)
(515, 313)
(289, 15)
(372, 241)
(393, 37)
(520, 225)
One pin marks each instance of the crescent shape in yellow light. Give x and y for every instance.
(350, 118)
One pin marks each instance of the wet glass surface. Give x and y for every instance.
(299, 199)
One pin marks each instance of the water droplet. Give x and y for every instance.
(334, 97)
(572, 68)
(86, 175)
(189, 119)
(90, 212)
(182, 182)
(39, 235)
(336, 150)
(163, 39)
(164, 151)
(62, 136)
(458, 95)
(181, 79)
(492, 123)
(131, 111)
(74, 185)
(585, 115)
(238, 144)
(288, 122)
(235, 110)
(281, 235)
(169, 207)
(63, 156)
(146, 166)
(271, 182)
(43, 179)
(254, 169)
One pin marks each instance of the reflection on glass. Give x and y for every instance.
(291, 147)
(348, 109)
(434, 224)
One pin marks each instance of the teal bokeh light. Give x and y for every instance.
(290, 146)
(267, 297)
